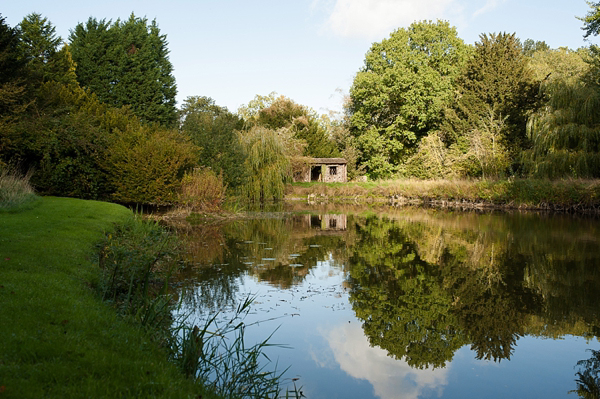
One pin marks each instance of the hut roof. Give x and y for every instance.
(328, 161)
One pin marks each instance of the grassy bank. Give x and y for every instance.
(57, 338)
(572, 194)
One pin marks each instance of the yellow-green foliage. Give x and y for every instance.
(202, 190)
(145, 165)
(565, 134)
(267, 164)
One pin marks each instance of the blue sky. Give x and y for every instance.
(308, 50)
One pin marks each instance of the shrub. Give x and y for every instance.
(202, 190)
(145, 165)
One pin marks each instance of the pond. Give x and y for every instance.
(410, 303)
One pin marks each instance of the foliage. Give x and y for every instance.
(562, 65)
(136, 260)
(588, 377)
(146, 164)
(591, 22)
(399, 94)
(302, 123)
(202, 190)
(217, 356)
(497, 85)
(340, 134)
(565, 133)
(126, 63)
(13, 101)
(531, 47)
(266, 163)
(249, 112)
(213, 129)
(16, 192)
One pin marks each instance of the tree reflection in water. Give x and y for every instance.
(588, 377)
(423, 283)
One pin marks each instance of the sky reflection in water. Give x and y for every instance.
(435, 275)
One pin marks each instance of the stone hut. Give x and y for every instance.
(327, 170)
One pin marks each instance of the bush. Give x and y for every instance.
(145, 165)
(202, 190)
(136, 262)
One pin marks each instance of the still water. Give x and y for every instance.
(410, 303)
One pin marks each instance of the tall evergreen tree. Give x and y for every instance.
(497, 79)
(12, 89)
(127, 63)
(46, 60)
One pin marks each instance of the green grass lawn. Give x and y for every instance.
(57, 338)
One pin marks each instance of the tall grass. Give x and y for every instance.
(16, 193)
(137, 261)
(217, 356)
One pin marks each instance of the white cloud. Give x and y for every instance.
(377, 18)
(390, 378)
(487, 7)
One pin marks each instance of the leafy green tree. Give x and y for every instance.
(562, 64)
(398, 96)
(530, 47)
(566, 133)
(214, 130)
(302, 123)
(249, 112)
(127, 63)
(592, 20)
(40, 48)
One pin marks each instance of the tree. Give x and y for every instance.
(566, 133)
(397, 97)
(127, 63)
(214, 130)
(562, 64)
(303, 124)
(496, 91)
(591, 21)
(12, 90)
(530, 47)
(266, 163)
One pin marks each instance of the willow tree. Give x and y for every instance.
(566, 133)
(267, 164)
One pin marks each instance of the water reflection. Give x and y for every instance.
(421, 283)
(390, 378)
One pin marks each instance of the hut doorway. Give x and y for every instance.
(315, 173)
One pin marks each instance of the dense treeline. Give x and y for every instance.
(426, 105)
(96, 117)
